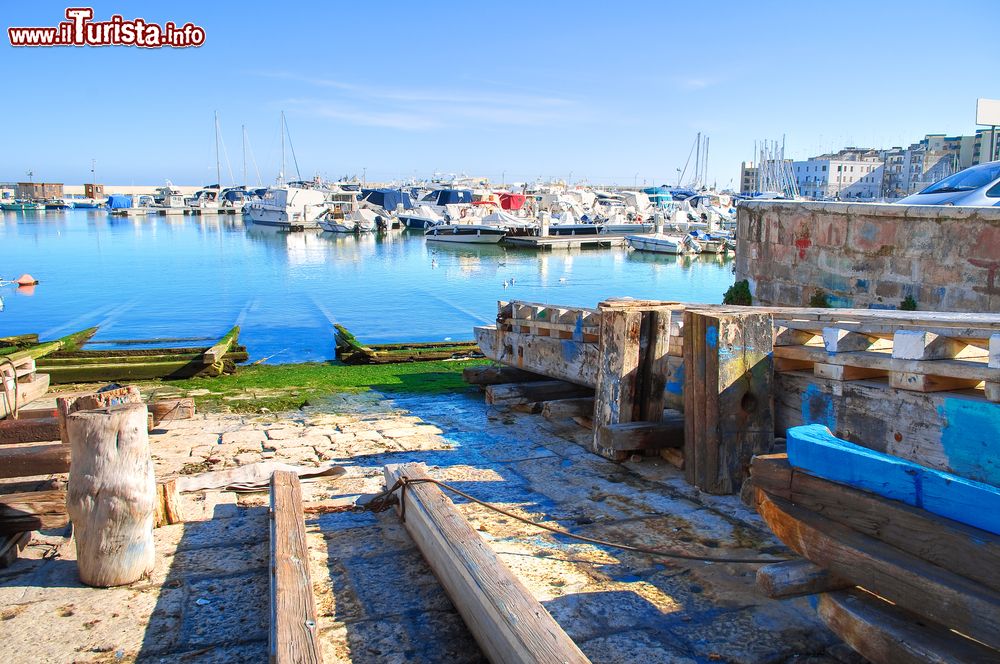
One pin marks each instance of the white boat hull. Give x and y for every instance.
(466, 234)
(661, 244)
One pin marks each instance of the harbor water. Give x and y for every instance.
(192, 278)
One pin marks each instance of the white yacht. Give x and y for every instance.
(465, 233)
(293, 208)
(664, 244)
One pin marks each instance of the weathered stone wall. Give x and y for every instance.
(870, 255)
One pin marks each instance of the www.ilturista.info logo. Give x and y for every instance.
(80, 30)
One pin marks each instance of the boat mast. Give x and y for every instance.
(218, 169)
(705, 165)
(244, 128)
(281, 130)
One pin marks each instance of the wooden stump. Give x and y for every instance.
(111, 496)
(71, 404)
(728, 410)
(172, 409)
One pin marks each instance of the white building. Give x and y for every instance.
(851, 174)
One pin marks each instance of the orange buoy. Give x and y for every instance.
(26, 280)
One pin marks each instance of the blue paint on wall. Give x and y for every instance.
(712, 337)
(970, 438)
(817, 408)
(676, 384)
(578, 330)
(570, 349)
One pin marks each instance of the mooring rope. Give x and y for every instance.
(12, 408)
(387, 499)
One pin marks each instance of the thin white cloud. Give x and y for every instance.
(416, 109)
(696, 83)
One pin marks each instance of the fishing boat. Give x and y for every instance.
(664, 244)
(293, 208)
(21, 206)
(466, 233)
(86, 204)
(55, 204)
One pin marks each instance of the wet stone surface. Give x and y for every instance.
(377, 600)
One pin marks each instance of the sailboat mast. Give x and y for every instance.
(706, 161)
(244, 128)
(697, 161)
(218, 168)
(281, 173)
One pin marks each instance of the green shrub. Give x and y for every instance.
(819, 300)
(908, 304)
(738, 293)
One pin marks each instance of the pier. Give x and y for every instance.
(553, 242)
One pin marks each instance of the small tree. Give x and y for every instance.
(739, 293)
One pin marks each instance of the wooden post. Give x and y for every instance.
(510, 625)
(727, 396)
(111, 495)
(293, 635)
(95, 400)
(618, 372)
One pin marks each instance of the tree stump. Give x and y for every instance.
(111, 496)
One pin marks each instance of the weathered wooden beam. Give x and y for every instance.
(215, 353)
(294, 634)
(565, 359)
(966, 551)
(562, 408)
(840, 372)
(32, 510)
(29, 460)
(10, 547)
(972, 369)
(33, 430)
(642, 435)
(510, 394)
(172, 409)
(793, 578)
(617, 391)
(727, 396)
(885, 634)
(914, 345)
(910, 582)
(955, 432)
(837, 340)
(509, 624)
(69, 342)
(814, 449)
(92, 401)
(492, 375)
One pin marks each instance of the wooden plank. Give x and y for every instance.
(966, 551)
(922, 345)
(885, 634)
(11, 546)
(562, 408)
(955, 432)
(727, 396)
(793, 578)
(840, 372)
(172, 409)
(910, 582)
(927, 383)
(32, 510)
(655, 362)
(785, 336)
(294, 635)
(215, 353)
(817, 451)
(32, 430)
(837, 340)
(616, 392)
(492, 375)
(29, 460)
(641, 435)
(510, 394)
(565, 359)
(887, 329)
(69, 342)
(509, 624)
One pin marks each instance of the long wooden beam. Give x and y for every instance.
(32, 430)
(509, 624)
(29, 460)
(32, 510)
(216, 352)
(294, 635)
(967, 551)
(69, 342)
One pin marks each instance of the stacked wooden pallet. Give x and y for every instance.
(905, 556)
(21, 381)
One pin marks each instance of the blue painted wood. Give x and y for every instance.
(817, 451)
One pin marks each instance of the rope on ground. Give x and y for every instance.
(387, 499)
(12, 406)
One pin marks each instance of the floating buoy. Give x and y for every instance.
(26, 280)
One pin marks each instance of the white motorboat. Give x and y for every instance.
(288, 207)
(664, 244)
(355, 221)
(421, 217)
(466, 233)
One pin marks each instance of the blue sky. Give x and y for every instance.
(603, 91)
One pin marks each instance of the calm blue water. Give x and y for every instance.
(156, 277)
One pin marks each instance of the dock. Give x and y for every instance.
(566, 242)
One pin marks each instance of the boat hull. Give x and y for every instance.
(465, 234)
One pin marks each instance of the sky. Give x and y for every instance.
(599, 92)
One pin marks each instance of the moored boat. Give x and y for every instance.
(21, 206)
(664, 244)
(288, 207)
(467, 233)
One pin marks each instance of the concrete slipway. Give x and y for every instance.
(377, 601)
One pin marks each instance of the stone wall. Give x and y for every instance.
(870, 255)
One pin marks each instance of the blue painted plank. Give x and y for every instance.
(817, 451)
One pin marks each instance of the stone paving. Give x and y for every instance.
(377, 600)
